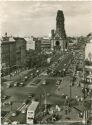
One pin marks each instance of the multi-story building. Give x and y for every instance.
(38, 44)
(88, 62)
(42, 43)
(20, 51)
(13, 52)
(88, 76)
(45, 43)
(8, 55)
(30, 43)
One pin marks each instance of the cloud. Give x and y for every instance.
(29, 17)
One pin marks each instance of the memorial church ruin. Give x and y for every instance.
(58, 36)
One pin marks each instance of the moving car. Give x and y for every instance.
(16, 84)
(15, 113)
(30, 95)
(21, 84)
(9, 85)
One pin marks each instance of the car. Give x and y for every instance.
(16, 84)
(33, 85)
(23, 111)
(44, 82)
(15, 113)
(6, 123)
(37, 71)
(15, 123)
(48, 94)
(26, 101)
(25, 78)
(31, 95)
(21, 84)
(57, 83)
(9, 85)
(37, 81)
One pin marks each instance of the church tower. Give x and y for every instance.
(58, 40)
(60, 24)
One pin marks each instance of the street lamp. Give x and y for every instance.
(70, 87)
(45, 101)
(70, 90)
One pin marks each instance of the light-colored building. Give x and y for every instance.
(88, 51)
(30, 43)
(88, 76)
(88, 62)
(42, 44)
(45, 43)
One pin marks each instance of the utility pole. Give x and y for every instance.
(70, 91)
(11, 105)
(45, 101)
(90, 114)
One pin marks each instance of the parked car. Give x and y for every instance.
(23, 111)
(15, 113)
(26, 78)
(6, 123)
(9, 85)
(21, 84)
(16, 84)
(15, 123)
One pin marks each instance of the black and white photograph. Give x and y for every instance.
(46, 62)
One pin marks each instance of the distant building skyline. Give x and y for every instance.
(28, 18)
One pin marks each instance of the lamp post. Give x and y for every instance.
(45, 101)
(70, 90)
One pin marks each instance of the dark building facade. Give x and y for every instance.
(20, 51)
(37, 44)
(60, 29)
(8, 55)
(13, 53)
(58, 37)
(45, 44)
(42, 44)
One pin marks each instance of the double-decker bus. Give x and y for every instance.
(32, 112)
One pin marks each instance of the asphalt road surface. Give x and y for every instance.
(19, 94)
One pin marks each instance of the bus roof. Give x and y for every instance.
(33, 106)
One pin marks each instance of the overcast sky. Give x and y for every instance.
(38, 18)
